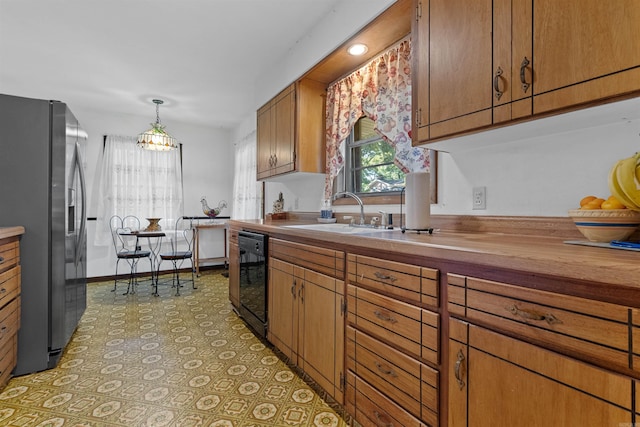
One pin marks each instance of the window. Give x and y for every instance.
(369, 162)
(132, 181)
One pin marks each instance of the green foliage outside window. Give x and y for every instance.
(373, 170)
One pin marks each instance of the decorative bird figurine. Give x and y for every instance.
(212, 213)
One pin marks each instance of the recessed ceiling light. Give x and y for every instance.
(357, 49)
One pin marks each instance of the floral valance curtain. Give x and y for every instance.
(381, 90)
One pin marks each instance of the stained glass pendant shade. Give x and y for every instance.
(157, 138)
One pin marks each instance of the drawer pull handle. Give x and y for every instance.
(496, 83)
(523, 80)
(379, 420)
(1, 260)
(386, 371)
(532, 315)
(384, 317)
(458, 368)
(382, 276)
(3, 290)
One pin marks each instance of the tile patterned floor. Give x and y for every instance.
(138, 360)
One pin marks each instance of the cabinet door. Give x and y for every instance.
(497, 381)
(460, 65)
(282, 313)
(284, 119)
(582, 49)
(420, 73)
(234, 274)
(264, 141)
(322, 331)
(512, 60)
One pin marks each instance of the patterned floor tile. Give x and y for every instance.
(177, 361)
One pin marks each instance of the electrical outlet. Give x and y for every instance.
(479, 197)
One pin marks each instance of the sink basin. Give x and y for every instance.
(338, 228)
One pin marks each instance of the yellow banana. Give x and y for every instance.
(626, 178)
(615, 189)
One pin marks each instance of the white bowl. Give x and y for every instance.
(605, 225)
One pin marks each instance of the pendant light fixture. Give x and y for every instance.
(157, 138)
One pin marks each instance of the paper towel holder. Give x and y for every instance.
(402, 227)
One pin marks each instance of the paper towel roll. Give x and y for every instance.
(418, 200)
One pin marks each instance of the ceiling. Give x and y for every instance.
(204, 58)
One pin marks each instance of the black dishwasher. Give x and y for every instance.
(253, 280)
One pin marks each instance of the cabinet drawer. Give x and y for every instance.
(9, 253)
(373, 409)
(326, 261)
(393, 373)
(407, 282)
(9, 285)
(404, 326)
(635, 346)
(9, 321)
(8, 357)
(597, 330)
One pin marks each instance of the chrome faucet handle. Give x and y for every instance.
(374, 221)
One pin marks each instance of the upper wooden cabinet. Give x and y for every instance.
(290, 134)
(584, 50)
(482, 63)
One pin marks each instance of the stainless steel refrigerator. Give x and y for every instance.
(42, 188)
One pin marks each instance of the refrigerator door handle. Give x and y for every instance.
(83, 198)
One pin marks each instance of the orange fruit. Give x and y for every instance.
(594, 204)
(612, 203)
(586, 200)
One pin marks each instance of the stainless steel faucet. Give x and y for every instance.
(358, 199)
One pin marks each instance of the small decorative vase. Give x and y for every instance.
(153, 224)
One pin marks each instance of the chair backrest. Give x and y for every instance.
(181, 237)
(119, 228)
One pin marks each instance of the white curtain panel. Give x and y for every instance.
(247, 191)
(133, 181)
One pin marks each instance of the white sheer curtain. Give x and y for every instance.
(133, 181)
(247, 191)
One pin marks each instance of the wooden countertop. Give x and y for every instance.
(11, 231)
(602, 273)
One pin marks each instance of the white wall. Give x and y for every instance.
(207, 171)
(539, 168)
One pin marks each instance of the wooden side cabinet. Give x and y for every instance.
(10, 272)
(290, 131)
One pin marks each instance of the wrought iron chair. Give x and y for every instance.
(125, 244)
(180, 251)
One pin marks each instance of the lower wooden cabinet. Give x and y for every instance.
(234, 267)
(497, 381)
(392, 343)
(10, 273)
(306, 318)
(518, 353)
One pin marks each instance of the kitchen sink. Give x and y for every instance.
(339, 228)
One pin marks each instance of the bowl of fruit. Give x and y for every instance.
(601, 220)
